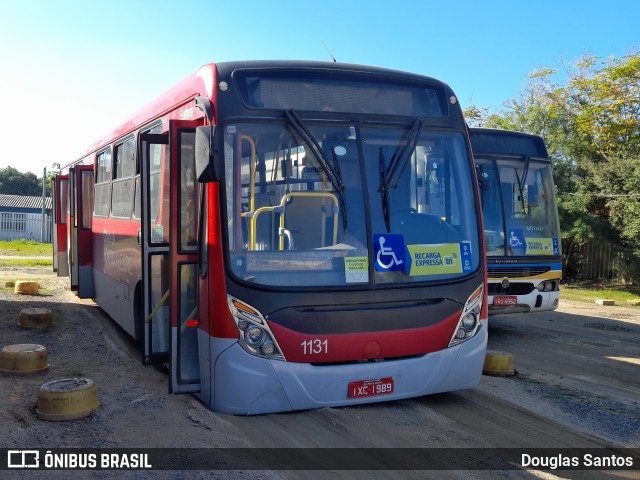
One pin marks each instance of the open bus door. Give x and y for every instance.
(169, 253)
(60, 199)
(79, 229)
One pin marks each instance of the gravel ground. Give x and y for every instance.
(135, 408)
(137, 411)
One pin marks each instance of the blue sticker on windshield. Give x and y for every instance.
(465, 256)
(390, 252)
(556, 248)
(516, 241)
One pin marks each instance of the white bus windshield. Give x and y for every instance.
(519, 208)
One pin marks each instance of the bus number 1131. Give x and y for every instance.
(317, 346)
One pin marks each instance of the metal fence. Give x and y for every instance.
(599, 262)
(14, 226)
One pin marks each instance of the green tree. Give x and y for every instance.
(590, 120)
(13, 182)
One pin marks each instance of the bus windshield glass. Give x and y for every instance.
(320, 204)
(519, 207)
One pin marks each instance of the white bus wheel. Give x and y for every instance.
(35, 318)
(67, 399)
(24, 358)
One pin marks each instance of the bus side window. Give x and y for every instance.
(189, 198)
(123, 170)
(102, 187)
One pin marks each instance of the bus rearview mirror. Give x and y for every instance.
(205, 153)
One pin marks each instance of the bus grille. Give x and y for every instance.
(512, 289)
(515, 271)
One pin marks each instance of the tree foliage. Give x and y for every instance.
(13, 182)
(589, 116)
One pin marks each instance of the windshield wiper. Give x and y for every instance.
(390, 176)
(482, 183)
(331, 171)
(525, 172)
(384, 191)
(520, 183)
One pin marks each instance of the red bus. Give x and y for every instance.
(287, 235)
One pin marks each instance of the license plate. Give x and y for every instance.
(505, 300)
(371, 388)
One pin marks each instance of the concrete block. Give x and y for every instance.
(607, 303)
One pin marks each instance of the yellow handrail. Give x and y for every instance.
(253, 219)
(328, 195)
(155, 310)
(252, 171)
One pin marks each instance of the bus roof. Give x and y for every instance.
(198, 83)
(203, 81)
(492, 141)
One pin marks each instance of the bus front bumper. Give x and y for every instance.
(245, 384)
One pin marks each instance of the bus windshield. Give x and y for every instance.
(519, 209)
(325, 204)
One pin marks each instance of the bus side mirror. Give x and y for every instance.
(206, 158)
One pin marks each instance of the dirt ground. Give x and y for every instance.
(552, 402)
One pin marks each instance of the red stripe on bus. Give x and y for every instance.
(304, 348)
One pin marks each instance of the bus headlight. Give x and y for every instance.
(268, 348)
(254, 336)
(254, 333)
(469, 319)
(547, 286)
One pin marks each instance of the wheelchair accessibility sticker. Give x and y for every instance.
(390, 252)
(517, 242)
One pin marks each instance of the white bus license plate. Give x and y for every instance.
(371, 388)
(505, 300)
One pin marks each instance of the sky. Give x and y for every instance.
(72, 70)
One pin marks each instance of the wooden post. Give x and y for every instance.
(44, 193)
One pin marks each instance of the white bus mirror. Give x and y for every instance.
(205, 154)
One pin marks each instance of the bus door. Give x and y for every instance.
(60, 199)
(169, 253)
(79, 228)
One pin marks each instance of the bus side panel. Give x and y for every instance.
(204, 313)
(221, 322)
(116, 269)
(215, 318)
(114, 298)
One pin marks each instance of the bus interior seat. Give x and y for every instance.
(307, 218)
